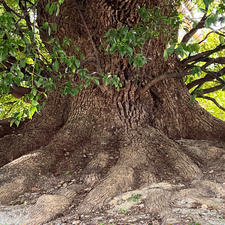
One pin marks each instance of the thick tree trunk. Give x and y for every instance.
(119, 140)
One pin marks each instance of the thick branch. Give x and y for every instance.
(216, 75)
(219, 60)
(210, 76)
(200, 81)
(19, 92)
(163, 77)
(212, 89)
(26, 15)
(200, 25)
(200, 56)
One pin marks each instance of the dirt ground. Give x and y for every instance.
(54, 199)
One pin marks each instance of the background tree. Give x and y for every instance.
(111, 74)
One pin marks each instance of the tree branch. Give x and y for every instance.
(200, 25)
(216, 75)
(26, 15)
(212, 89)
(200, 81)
(163, 77)
(19, 92)
(205, 37)
(198, 57)
(210, 76)
(213, 100)
(219, 60)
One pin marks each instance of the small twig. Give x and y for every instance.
(219, 60)
(219, 33)
(213, 100)
(205, 37)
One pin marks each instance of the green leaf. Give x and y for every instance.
(32, 111)
(167, 52)
(55, 65)
(45, 25)
(74, 91)
(180, 51)
(210, 20)
(122, 50)
(113, 48)
(57, 10)
(130, 50)
(47, 6)
(139, 60)
(29, 61)
(193, 97)
(17, 122)
(54, 26)
(77, 63)
(52, 8)
(95, 79)
(23, 63)
(34, 91)
(195, 47)
(87, 83)
(34, 102)
(73, 68)
(207, 2)
(12, 122)
(222, 39)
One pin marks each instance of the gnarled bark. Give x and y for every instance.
(120, 140)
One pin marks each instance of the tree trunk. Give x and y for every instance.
(119, 140)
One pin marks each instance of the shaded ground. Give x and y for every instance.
(54, 199)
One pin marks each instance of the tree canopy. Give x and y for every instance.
(28, 70)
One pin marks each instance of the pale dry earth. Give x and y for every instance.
(54, 199)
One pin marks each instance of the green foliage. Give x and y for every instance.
(26, 62)
(10, 105)
(130, 41)
(134, 198)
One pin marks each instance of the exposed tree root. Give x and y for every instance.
(145, 152)
(145, 156)
(22, 144)
(18, 176)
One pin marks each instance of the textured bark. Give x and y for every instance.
(129, 133)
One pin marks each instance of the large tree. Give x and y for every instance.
(118, 110)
